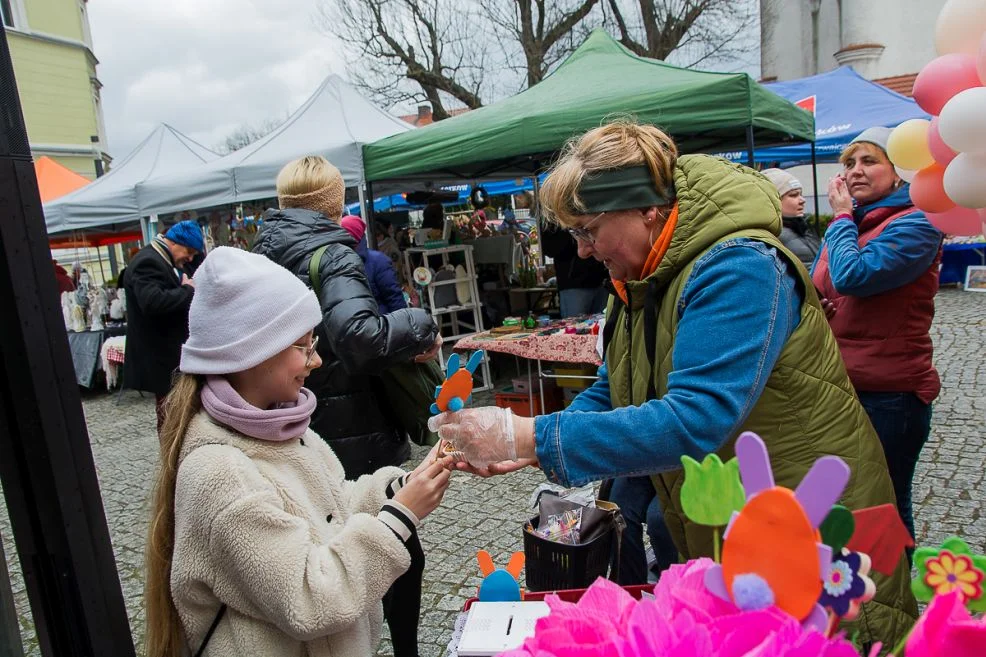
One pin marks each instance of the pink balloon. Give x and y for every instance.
(981, 60)
(928, 190)
(939, 149)
(957, 221)
(942, 78)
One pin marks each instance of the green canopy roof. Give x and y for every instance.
(702, 111)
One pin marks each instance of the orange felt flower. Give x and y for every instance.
(950, 572)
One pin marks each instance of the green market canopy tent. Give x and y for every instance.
(515, 137)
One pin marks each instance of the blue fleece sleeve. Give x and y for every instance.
(897, 256)
(738, 309)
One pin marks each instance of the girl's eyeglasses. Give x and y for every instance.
(582, 233)
(308, 349)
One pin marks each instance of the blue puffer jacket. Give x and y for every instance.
(382, 276)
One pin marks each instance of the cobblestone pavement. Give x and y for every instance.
(487, 514)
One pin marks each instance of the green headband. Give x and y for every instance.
(621, 189)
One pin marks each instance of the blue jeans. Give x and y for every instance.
(639, 504)
(582, 301)
(903, 422)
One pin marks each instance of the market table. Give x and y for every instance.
(533, 345)
(956, 257)
(85, 347)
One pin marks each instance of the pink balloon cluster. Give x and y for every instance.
(951, 189)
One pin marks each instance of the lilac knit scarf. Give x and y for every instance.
(226, 406)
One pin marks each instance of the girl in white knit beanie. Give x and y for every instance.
(258, 545)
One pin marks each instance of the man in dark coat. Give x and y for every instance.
(158, 297)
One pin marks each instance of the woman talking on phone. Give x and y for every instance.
(879, 270)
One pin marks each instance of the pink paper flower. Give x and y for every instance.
(683, 620)
(946, 629)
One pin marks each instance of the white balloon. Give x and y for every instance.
(905, 174)
(965, 180)
(962, 123)
(960, 25)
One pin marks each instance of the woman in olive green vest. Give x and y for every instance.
(713, 330)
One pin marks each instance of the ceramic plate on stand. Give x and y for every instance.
(463, 290)
(422, 276)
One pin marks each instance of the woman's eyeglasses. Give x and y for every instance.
(308, 349)
(582, 233)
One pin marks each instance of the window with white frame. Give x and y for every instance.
(8, 14)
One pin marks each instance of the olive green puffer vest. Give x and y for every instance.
(808, 408)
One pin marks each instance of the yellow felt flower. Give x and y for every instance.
(949, 572)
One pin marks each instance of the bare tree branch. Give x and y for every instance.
(409, 50)
(695, 31)
(538, 29)
(246, 135)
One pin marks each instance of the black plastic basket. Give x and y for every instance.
(551, 566)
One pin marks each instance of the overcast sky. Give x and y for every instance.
(205, 67)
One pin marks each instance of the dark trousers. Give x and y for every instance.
(903, 422)
(402, 603)
(639, 505)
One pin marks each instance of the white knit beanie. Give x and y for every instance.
(246, 308)
(783, 181)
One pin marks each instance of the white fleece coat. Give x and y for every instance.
(275, 532)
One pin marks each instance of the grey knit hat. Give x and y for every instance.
(246, 308)
(878, 135)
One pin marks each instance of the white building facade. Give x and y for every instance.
(880, 39)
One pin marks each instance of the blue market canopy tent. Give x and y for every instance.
(844, 104)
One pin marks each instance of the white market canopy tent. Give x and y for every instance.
(335, 122)
(111, 200)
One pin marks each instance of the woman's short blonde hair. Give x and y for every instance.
(312, 183)
(616, 145)
(851, 149)
(305, 175)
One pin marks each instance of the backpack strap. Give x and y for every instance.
(212, 628)
(314, 277)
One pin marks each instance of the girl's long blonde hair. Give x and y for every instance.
(164, 636)
(620, 143)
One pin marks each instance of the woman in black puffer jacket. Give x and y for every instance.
(355, 340)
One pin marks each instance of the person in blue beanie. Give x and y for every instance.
(158, 296)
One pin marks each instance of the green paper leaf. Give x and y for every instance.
(712, 490)
(958, 547)
(837, 528)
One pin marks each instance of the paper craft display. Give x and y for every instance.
(712, 492)
(838, 528)
(880, 533)
(456, 391)
(951, 567)
(500, 584)
(847, 585)
(771, 554)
